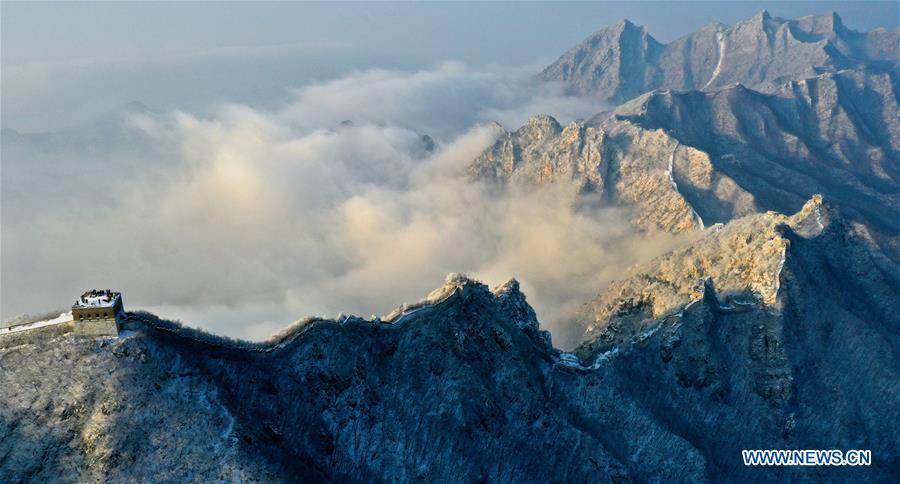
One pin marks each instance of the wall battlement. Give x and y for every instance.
(97, 313)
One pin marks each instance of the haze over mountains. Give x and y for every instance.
(765, 153)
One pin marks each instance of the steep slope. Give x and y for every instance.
(743, 260)
(800, 330)
(688, 159)
(463, 386)
(624, 61)
(450, 387)
(617, 61)
(618, 163)
(836, 134)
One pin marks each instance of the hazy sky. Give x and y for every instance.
(64, 63)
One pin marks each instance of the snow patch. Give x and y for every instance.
(400, 315)
(572, 361)
(98, 299)
(62, 318)
(671, 174)
(818, 213)
(720, 39)
(672, 166)
(778, 274)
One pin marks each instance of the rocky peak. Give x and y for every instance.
(612, 58)
(465, 293)
(455, 282)
(827, 24)
(629, 32)
(540, 127)
(762, 21)
(512, 302)
(813, 218)
(622, 31)
(509, 288)
(542, 152)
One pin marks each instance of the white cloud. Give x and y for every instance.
(247, 220)
(443, 101)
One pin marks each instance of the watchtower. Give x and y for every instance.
(97, 313)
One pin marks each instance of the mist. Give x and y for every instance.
(247, 219)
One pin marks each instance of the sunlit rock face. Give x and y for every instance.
(613, 163)
(742, 261)
(763, 52)
(687, 160)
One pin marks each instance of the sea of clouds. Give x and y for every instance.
(245, 220)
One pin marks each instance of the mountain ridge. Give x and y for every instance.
(688, 159)
(464, 376)
(624, 60)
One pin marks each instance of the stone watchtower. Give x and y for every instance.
(97, 313)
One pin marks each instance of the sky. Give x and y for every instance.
(64, 63)
(195, 155)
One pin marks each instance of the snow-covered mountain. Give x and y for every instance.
(624, 60)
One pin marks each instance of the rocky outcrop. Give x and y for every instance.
(615, 163)
(685, 160)
(835, 134)
(541, 152)
(764, 52)
(817, 350)
(440, 393)
(742, 260)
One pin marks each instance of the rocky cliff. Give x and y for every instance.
(684, 160)
(618, 162)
